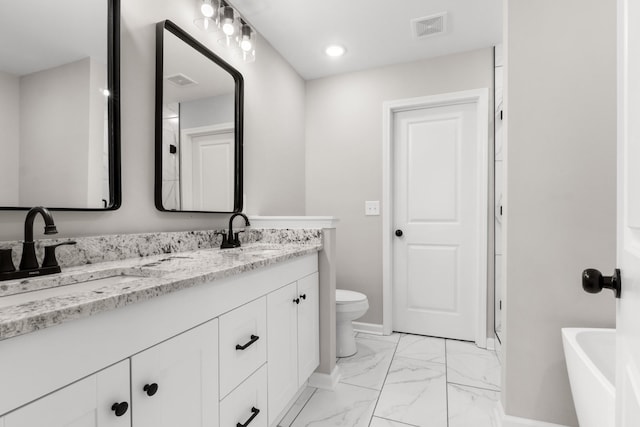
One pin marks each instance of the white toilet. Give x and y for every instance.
(350, 305)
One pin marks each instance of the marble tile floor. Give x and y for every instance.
(405, 380)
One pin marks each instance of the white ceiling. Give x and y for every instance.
(375, 32)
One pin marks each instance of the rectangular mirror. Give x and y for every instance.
(198, 126)
(59, 104)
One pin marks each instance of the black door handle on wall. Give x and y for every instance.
(593, 281)
(253, 339)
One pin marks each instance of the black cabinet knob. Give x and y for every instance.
(593, 281)
(399, 233)
(296, 300)
(120, 408)
(150, 389)
(303, 296)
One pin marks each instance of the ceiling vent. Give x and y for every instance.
(429, 26)
(181, 80)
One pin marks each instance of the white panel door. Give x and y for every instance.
(86, 403)
(175, 383)
(436, 207)
(207, 171)
(282, 348)
(308, 327)
(628, 310)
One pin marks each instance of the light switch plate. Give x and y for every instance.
(372, 207)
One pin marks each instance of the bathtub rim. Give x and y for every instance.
(569, 338)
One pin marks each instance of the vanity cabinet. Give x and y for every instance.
(174, 382)
(293, 346)
(100, 400)
(220, 354)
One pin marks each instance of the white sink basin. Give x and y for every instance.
(76, 288)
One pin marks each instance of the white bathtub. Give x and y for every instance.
(591, 362)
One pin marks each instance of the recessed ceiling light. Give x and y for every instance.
(335, 50)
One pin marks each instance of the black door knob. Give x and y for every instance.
(399, 233)
(297, 300)
(593, 281)
(303, 296)
(120, 408)
(150, 389)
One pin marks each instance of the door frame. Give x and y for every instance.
(480, 97)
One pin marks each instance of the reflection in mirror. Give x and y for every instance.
(59, 114)
(198, 140)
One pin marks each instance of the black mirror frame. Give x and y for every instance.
(113, 106)
(238, 120)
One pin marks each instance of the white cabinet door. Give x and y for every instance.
(175, 383)
(282, 348)
(85, 403)
(308, 327)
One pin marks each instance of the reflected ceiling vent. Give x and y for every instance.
(429, 26)
(181, 80)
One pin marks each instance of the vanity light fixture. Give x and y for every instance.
(207, 8)
(246, 42)
(236, 35)
(226, 21)
(209, 20)
(335, 50)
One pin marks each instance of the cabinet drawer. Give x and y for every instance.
(247, 401)
(243, 346)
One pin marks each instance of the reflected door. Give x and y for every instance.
(207, 168)
(436, 206)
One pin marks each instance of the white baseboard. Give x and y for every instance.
(325, 381)
(368, 328)
(503, 420)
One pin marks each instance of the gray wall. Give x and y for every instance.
(344, 149)
(274, 134)
(50, 100)
(560, 199)
(207, 111)
(9, 137)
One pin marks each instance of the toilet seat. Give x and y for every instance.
(349, 297)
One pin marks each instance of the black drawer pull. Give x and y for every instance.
(297, 300)
(150, 389)
(253, 339)
(254, 413)
(303, 296)
(120, 408)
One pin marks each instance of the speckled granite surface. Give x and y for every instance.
(133, 276)
(91, 250)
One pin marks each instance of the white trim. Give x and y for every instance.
(503, 420)
(491, 344)
(293, 221)
(481, 98)
(368, 328)
(325, 381)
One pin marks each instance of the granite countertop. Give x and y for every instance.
(28, 305)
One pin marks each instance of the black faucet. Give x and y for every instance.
(29, 263)
(29, 260)
(231, 239)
